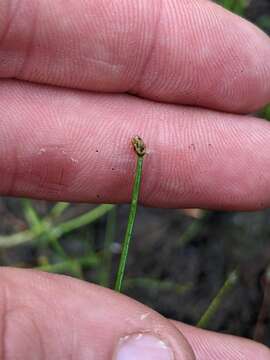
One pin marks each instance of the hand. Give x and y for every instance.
(61, 142)
(51, 317)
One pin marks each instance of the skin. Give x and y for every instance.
(69, 74)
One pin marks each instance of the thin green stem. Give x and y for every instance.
(37, 225)
(192, 231)
(140, 150)
(56, 246)
(30, 213)
(158, 285)
(105, 270)
(57, 231)
(218, 299)
(86, 261)
(82, 220)
(236, 6)
(265, 112)
(58, 209)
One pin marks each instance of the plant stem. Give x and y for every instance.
(217, 301)
(105, 271)
(192, 231)
(157, 285)
(140, 150)
(82, 220)
(88, 261)
(58, 209)
(26, 236)
(30, 214)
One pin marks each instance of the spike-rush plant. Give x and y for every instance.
(140, 150)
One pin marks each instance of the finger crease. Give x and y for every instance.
(29, 47)
(11, 15)
(151, 49)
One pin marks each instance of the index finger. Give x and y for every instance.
(189, 52)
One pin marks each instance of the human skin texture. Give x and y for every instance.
(79, 79)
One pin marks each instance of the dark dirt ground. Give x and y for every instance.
(221, 242)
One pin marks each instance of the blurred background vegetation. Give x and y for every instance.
(206, 268)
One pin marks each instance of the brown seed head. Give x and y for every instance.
(139, 145)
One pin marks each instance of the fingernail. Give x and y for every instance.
(143, 346)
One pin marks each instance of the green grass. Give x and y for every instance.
(218, 300)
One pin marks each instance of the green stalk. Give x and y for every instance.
(140, 150)
(192, 231)
(48, 228)
(30, 214)
(218, 299)
(158, 285)
(58, 209)
(37, 225)
(88, 261)
(105, 271)
(81, 220)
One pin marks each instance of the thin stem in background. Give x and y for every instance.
(82, 220)
(26, 236)
(193, 230)
(237, 6)
(30, 214)
(58, 209)
(264, 313)
(140, 150)
(265, 112)
(37, 225)
(85, 261)
(104, 277)
(218, 300)
(158, 285)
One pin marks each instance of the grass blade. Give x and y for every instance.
(105, 271)
(217, 301)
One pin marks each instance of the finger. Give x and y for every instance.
(66, 145)
(55, 317)
(208, 345)
(188, 52)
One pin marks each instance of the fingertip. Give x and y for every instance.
(57, 316)
(207, 56)
(207, 345)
